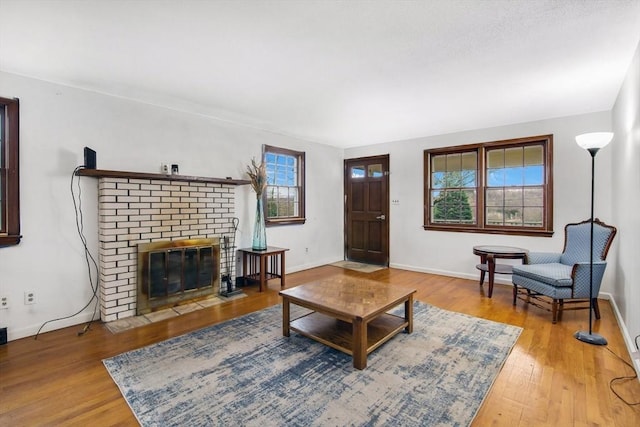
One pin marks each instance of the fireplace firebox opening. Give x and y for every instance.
(174, 271)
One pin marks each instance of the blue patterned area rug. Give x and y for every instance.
(245, 373)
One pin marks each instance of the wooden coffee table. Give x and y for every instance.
(349, 314)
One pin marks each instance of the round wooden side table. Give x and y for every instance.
(489, 253)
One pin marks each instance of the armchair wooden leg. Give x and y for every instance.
(554, 311)
(596, 308)
(515, 293)
(561, 310)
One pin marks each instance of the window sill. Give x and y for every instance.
(9, 240)
(284, 221)
(519, 232)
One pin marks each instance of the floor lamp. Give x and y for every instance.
(592, 142)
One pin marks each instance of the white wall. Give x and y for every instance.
(626, 198)
(451, 253)
(58, 121)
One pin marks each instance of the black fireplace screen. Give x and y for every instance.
(173, 271)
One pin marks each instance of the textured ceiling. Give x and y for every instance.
(344, 73)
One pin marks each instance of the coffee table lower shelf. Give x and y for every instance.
(338, 334)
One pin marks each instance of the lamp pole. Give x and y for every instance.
(592, 142)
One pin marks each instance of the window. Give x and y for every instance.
(503, 187)
(9, 177)
(284, 197)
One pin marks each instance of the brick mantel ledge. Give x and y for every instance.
(101, 173)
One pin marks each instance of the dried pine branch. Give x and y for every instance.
(258, 175)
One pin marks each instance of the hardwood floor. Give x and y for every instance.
(550, 378)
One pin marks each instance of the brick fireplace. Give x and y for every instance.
(143, 208)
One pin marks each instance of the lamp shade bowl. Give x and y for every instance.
(593, 140)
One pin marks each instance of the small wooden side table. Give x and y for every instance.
(488, 256)
(261, 266)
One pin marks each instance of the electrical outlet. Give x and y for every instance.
(306, 250)
(29, 297)
(4, 302)
(635, 355)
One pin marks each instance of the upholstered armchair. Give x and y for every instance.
(547, 279)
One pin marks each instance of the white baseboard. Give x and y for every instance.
(475, 276)
(52, 326)
(308, 266)
(623, 328)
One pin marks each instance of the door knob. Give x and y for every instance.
(381, 217)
